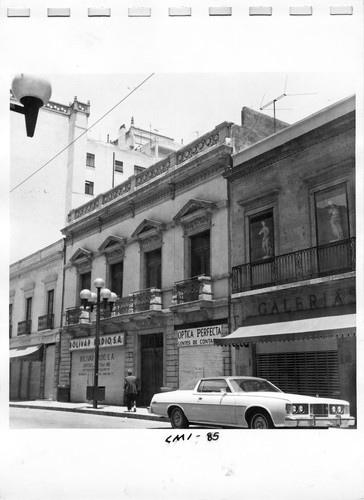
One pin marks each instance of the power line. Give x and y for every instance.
(83, 133)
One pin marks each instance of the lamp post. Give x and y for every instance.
(33, 93)
(107, 298)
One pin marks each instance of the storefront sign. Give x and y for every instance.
(198, 336)
(306, 302)
(117, 339)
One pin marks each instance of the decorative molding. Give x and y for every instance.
(115, 193)
(151, 243)
(28, 287)
(192, 207)
(82, 259)
(259, 200)
(197, 147)
(148, 227)
(152, 172)
(197, 225)
(51, 278)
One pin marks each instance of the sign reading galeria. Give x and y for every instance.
(198, 336)
(116, 339)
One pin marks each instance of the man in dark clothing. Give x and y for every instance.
(130, 390)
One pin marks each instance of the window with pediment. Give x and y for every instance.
(149, 234)
(195, 218)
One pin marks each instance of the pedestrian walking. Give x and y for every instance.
(130, 390)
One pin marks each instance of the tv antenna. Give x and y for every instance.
(277, 99)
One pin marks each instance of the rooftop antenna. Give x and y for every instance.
(277, 99)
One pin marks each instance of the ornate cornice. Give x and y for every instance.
(203, 168)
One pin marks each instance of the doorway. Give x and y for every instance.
(151, 367)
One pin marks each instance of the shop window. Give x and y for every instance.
(153, 269)
(90, 160)
(200, 254)
(331, 207)
(261, 232)
(89, 187)
(119, 166)
(117, 275)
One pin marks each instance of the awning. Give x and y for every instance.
(33, 353)
(326, 326)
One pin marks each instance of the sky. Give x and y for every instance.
(186, 105)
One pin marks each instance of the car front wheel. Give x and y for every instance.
(260, 420)
(178, 419)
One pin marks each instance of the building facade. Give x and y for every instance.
(160, 241)
(292, 225)
(35, 320)
(70, 168)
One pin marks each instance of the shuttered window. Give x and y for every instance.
(308, 373)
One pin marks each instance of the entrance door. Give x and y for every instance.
(49, 372)
(151, 367)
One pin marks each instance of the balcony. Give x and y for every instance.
(315, 262)
(143, 300)
(191, 290)
(45, 322)
(25, 327)
(77, 316)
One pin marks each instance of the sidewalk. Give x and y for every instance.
(102, 409)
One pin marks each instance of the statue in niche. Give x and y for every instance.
(266, 240)
(335, 220)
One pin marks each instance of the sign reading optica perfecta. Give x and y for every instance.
(114, 340)
(198, 336)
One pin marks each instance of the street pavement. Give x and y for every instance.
(33, 418)
(87, 408)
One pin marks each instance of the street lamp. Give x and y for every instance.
(105, 298)
(33, 93)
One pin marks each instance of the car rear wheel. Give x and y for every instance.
(178, 419)
(260, 420)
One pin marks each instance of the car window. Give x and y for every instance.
(213, 386)
(188, 386)
(254, 385)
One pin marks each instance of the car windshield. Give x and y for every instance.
(253, 385)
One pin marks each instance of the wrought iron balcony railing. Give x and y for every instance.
(192, 289)
(45, 322)
(77, 315)
(324, 260)
(25, 327)
(143, 300)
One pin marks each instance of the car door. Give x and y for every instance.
(215, 402)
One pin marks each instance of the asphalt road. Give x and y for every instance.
(29, 418)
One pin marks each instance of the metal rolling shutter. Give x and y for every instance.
(309, 373)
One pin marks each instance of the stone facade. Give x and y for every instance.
(166, 217)
(296, 189)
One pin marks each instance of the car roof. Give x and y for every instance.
(228, 377)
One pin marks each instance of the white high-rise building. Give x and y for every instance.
(61, 168)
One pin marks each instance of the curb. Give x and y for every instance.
(92, 411)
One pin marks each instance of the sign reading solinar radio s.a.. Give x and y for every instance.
(114, 340)
(204, 335)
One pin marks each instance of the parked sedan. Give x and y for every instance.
(248, 402)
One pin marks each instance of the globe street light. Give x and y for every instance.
(33, 93)
(90, 299)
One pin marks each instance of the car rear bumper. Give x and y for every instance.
(313, 421)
